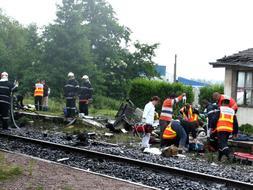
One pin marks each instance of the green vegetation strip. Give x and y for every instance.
(8, 171)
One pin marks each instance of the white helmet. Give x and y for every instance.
(70, 74)
(85, 77)
(4, 75)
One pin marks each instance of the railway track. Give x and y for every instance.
(194, 176)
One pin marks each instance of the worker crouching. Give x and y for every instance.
(226, 124)
(174, 134)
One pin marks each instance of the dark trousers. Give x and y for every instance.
(223, 144)
(71, 107)
(20, 100)
(84, 108)
(169, 142)
(4, 112)
(163, 124)
(38, 103)
(190, 127)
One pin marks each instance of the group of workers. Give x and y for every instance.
(72, 90)
(222, 122)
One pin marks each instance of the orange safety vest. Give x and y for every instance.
(226, 120)
(167, 108)
(169, 133)
(39, 89)
(191, 117)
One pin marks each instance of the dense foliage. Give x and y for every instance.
(142, 90)
(85, 38)
(206, 93)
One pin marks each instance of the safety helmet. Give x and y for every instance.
(85, 77)
(70, 74)
(4, 75)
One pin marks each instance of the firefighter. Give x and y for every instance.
(225, 123)
(70, 92)
(167, 110)
(218, 98)
(38, 95)
(5, 99)
(174, 134)
(85, 95)
(148, 120)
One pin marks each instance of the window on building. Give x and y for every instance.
(245, 88)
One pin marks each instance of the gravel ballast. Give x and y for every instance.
(120, 170)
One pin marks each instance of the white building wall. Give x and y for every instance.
(244, 115)
(228, 82)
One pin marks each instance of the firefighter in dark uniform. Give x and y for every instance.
(224, 123)
(70, 92)
(5, 99)
(85, 95)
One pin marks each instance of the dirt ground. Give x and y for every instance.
(41, 175)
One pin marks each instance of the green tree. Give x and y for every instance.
(67, 47)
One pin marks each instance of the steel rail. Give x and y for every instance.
(147, 165)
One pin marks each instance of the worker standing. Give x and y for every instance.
(174, 134)
(45, 96)
(38, 95)
(70, 92)
(85, 95)
(225, 122)
(5, 99)
(167, 110)
(220, 97)
(148, 120)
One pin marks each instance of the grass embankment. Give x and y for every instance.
(8, 171)
(101, 106)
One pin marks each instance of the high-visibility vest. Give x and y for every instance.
(39, 89)
(226, 120)
(191, 117)
(232, 102)
(167, 108)
(169, 133)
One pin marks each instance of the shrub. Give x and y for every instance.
(102, 102)
(206, 93)
(143, 89)
(246, 129)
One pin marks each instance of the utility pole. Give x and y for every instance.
(175, 69)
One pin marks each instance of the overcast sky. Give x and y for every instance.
(199, 31)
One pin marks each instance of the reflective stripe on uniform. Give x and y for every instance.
(5, 87)
(169, 133)
(69, 85)
(4, 96)
(226, 120)
(2, 101)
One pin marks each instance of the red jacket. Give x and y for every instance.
(232, 103)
